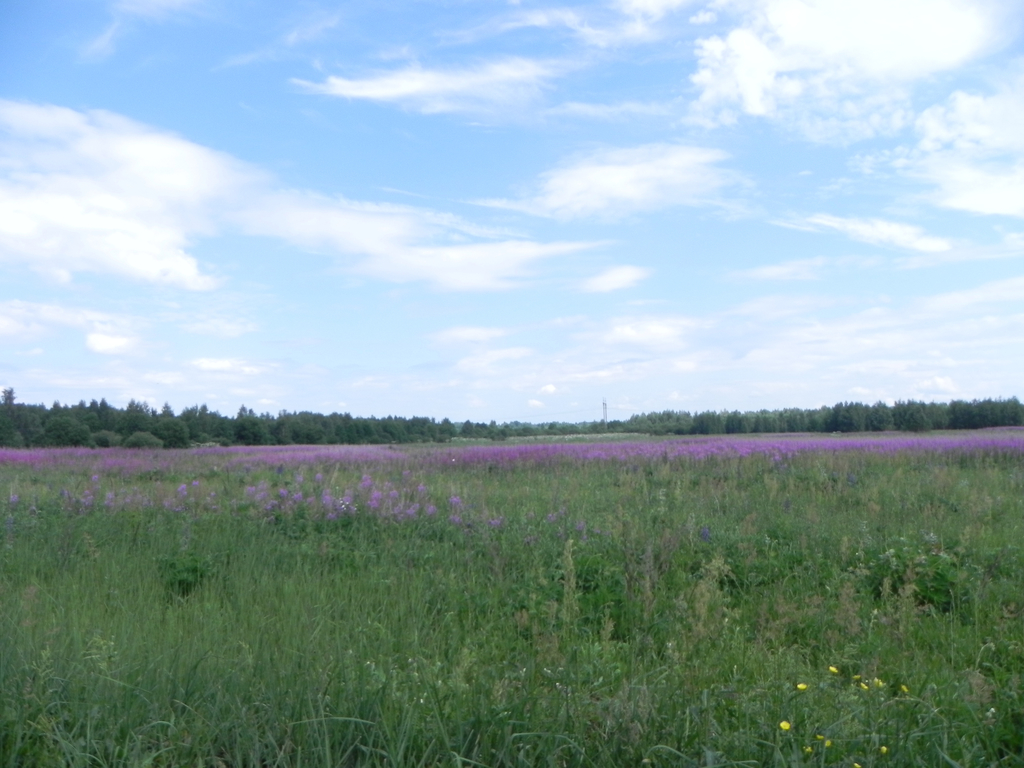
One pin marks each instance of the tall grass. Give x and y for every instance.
(438, 608)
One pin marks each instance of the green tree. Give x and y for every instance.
(65, 431)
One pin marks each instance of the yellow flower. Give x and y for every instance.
(833, 670)
(878, 683)
(883, 749)
(864, 686)
(904, 689)
(801, 686)
(784, 725)
(819, 737)
(808, 750)
(856, 765)
(828, 743)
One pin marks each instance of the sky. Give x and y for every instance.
(511, 209)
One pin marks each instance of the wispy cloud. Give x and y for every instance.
(105, 332)
(878, 232)
(617, 182)
(489, 87)
(615, 278)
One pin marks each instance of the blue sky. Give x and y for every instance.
(511, 210)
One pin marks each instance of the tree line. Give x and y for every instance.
(138, 425)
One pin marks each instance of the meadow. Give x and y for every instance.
(769, 601)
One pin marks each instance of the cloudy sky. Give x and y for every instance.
(511, 209)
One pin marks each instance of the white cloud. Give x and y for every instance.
(227, 365)
(971, 150)
(535, 403)
(464, 334)
(105, 333)
(666, 331)
(616, 182)
(106, 344)
(615, 278)
(797, 269)
(838, 69)
(881, 232)
(652, 9)
(496, 86)
(95, 192)
(704, 17)
(548, 389)
(396, 242)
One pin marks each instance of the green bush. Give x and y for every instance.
(143, 440)
(106, 439)
(65, 431)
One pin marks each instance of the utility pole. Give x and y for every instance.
(604, 404)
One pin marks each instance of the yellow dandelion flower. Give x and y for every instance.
(904, 689)
(828, 743)
(833, 670)
(864, 686)
(801, 686)
(819, 737)
(883, 749)
(784, 725)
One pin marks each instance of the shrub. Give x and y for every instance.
(143, 440)
(106, 439)
(65, 431)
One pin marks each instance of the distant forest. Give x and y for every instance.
(99, 424)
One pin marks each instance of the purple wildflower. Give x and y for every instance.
(375, 498)
(455, 519)
(366, 483)
(299, 479)
(182, 490)
(421, 488)
(14, 499)
(195, 483)
(319, 478)
(705, 534)
(496, 522)
(431, 510)
(95, 478)
(456, 502)
(283, 493)
(297, 496)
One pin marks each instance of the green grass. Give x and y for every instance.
(673, 629)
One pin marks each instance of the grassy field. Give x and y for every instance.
(708, 602)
